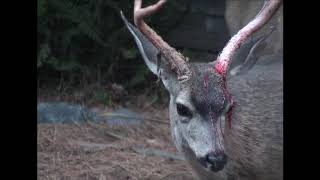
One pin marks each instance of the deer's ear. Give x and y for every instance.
(246, 56)
(151, 56)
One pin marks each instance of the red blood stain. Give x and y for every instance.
(221, 67)
(205, 81)
(218, 67)
(229, 98)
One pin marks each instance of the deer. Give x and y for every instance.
(226, 116)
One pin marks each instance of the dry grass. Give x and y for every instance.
(88, 151)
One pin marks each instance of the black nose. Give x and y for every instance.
(214, 161)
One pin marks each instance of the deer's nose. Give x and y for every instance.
(214, 161)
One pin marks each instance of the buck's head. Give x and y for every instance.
(199, 100)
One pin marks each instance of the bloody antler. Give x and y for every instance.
(176, 60)
(265, 14)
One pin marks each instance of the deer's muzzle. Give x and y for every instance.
(214, 161)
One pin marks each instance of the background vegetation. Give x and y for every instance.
(83, 46)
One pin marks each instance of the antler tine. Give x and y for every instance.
(267, 11)
(139, 12)
(176, 60)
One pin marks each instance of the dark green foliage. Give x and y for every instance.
(83, 42)
(102, 97)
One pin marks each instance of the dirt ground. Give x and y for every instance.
(99, 151)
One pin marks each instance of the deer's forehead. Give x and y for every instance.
(206, 89)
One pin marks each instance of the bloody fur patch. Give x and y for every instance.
(230, 99)
(221, 69)
(212, 116)
(209, 96)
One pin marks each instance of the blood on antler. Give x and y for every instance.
(176, 60)
(267, 11)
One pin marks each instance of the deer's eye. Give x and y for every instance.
(183, 110)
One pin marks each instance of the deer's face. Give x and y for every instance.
(197, 114)
(197, 107)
